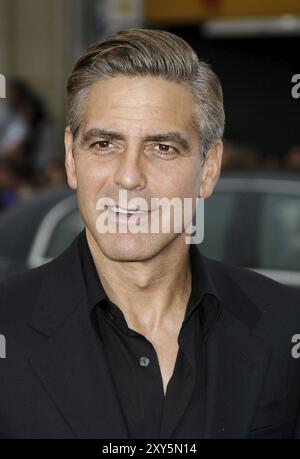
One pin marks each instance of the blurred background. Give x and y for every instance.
(253, 220)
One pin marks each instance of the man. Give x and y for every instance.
(135, 334)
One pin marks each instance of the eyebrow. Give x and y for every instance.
(160, 137)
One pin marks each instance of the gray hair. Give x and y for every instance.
(145, 52)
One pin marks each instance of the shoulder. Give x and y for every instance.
(267, 294)
(19, 293)
(274, 306)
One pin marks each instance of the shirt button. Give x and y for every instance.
(111, 316)
(144, 361)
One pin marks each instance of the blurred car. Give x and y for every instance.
(252, 220)
(37, 230)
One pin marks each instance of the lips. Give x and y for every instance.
(120, 210)
(121, 215)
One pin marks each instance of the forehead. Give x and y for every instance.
(139, 102)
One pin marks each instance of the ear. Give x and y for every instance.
(211, 170)
(69, 159)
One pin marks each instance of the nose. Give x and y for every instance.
(129, 174)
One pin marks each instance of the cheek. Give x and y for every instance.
(90, 182)
(182, 182)
(91, 177)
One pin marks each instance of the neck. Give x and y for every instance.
(147, 291)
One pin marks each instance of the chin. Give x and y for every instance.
(130, 247)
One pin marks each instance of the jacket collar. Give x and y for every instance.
(61, 292)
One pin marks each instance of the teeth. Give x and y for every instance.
(123, 211)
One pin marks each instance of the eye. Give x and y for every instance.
(165, 150)
(103, 146)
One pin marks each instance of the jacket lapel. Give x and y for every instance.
(237, 361)
(71, 364)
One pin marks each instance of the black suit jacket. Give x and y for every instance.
(54, 382)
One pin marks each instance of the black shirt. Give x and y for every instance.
(133, 362)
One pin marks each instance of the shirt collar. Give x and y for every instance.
(95, 290)
(203, 290)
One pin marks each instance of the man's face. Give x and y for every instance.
(137, 135)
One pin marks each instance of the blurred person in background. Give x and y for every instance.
(53, 175)
(14, 123)
(26, 131)
(239, 157)
(15, 182)
(292, 159)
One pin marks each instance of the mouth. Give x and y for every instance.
(123, 215)
(120, 210)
